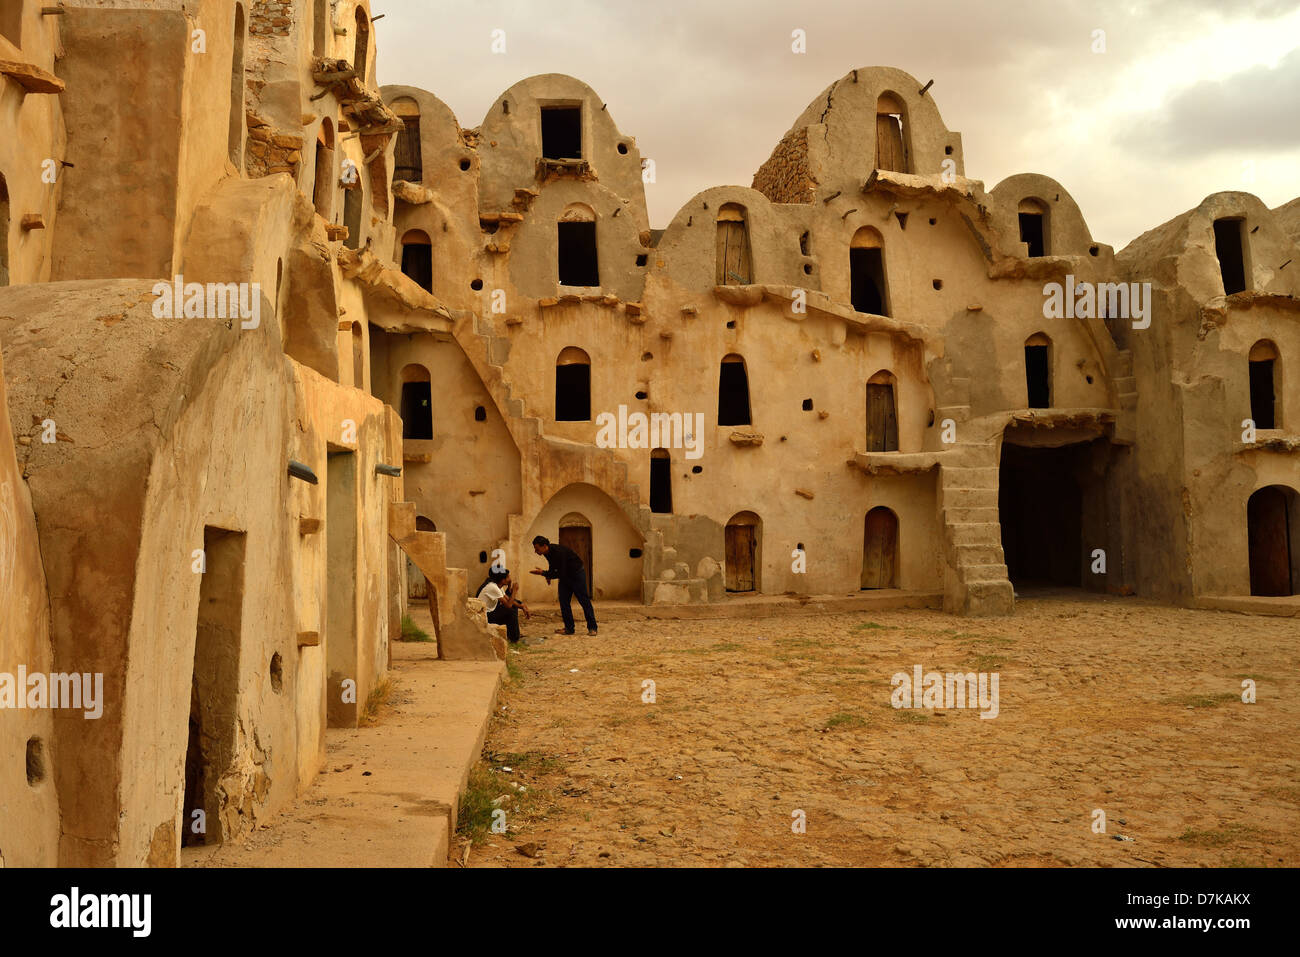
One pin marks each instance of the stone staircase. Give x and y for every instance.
(487, 350)
(1125, 384)
(968, 503)
(461, 634)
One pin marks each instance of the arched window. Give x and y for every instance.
(1265, 379)
(358, 357)
(323, 187)
(882, 413)
(891, 136)
(1230, 246)
(578, 263)
(417, 258)
(1038, 371)
(417, 403)
(573, 386)
(4, 232)
(1273, 537)
(868, 290)
(733, 260)
(741, 559)
(733, 392)
(880, 549)
(1035, 226)
(661, 481)
(359, 57)
(235, 135)
(408, 161)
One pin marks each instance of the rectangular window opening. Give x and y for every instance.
(1036, 377)
(1031, 233)
(1262, 401)
(573, 393)
(562, 132)
(1229, 246)
(867, 281)
(578, 264)
(661, 479)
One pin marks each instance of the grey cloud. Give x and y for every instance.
(1251, 110)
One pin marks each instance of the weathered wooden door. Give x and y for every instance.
(882, 419)
(733, 253)
(578, 538)
(741, 541)
(889, 143)
(408, 162)
(880, 549)
(1269, 544)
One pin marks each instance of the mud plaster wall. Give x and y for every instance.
(615, 573)
(221, 465)
(127, 160)
(29, 809)
(34, 133)
(472, 479)
(1195, 474)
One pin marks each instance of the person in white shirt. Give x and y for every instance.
(498, 597)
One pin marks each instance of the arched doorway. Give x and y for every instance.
(880, 549)
(575, 533)
(1273, 537)
(742, 552)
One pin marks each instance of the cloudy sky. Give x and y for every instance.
(1188, 99)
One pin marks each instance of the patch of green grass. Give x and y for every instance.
(474, 819)
(908, 714)
(1202, 700)
(485, 786)
(845, 719)
(1221, 837)
(515, 673)
(413, 632)
(987, 662)
(378, 695)
(873, 626)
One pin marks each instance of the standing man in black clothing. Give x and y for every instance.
(568, 568)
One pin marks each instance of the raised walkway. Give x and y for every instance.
(388, 794)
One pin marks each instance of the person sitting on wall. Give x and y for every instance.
(568, 568)
(498, 596)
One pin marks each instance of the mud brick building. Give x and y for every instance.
(226, 511)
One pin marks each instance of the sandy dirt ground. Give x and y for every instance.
(1106, 705)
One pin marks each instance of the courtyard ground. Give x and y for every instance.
(1110, 705)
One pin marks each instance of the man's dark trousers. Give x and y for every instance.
(501, 615)
(575, 588)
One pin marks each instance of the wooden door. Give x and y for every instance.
(889, 143)
(741, 542)
(882, 419)
(880, 550)
(1270, 548)
(578, 538)
(733, 254)
(408, 162)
